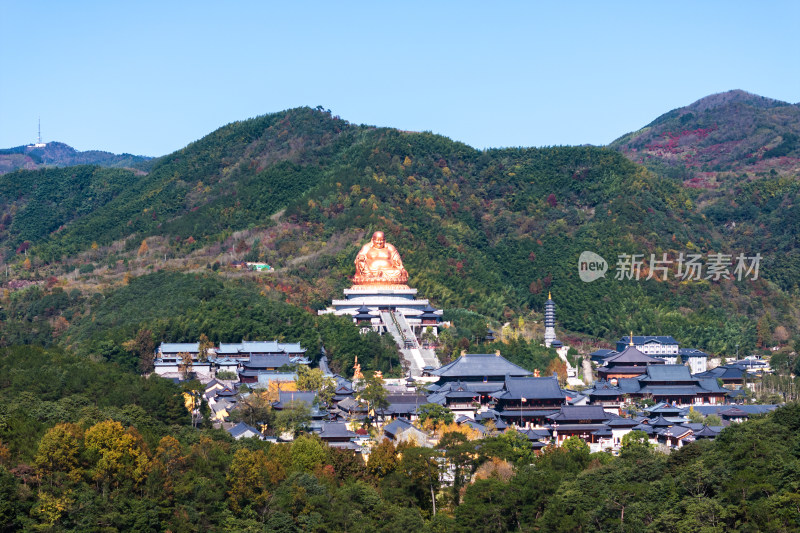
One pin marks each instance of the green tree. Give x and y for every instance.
(169, 461)
(294, 418)
(308, 452)
(458, 451)
(420, 468)
(634, 442)
(143, 346)
(489, 505)
(373, 394)
(432, 416)
(695, 417)
(250, 478)
(312, 379)
(382, 459)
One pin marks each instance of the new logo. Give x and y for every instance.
(591, 267)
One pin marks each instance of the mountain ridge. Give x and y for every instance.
(730, 132)
(58, 154)
(487, 232)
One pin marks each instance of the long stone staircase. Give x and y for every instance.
(414, 355)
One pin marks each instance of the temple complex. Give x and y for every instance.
(381, 300)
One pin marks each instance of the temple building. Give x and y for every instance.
(381, 300)
(663, 347)
(629, 363)
(528, 401)
(589, 422)
(675, 385)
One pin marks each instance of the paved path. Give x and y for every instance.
(414, 355)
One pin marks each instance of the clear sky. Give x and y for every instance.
(150, 77)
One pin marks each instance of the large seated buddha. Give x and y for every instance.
(378, 263)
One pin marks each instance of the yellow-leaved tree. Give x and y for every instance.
(58, 459)
(250, 478)
(118, 455)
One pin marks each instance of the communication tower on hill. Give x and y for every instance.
(38, 143)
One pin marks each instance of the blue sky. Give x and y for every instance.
(150, 77)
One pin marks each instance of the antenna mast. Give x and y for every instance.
(40, 130)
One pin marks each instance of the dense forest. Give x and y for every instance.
(485, 232)
(90, 447)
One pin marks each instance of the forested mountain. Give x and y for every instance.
(102, 264)
(732, 132)
(485, 231)
(56, 154)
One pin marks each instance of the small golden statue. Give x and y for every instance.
(379, 263)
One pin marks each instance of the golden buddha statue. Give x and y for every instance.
(379, 263)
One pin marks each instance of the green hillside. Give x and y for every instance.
(486, 231)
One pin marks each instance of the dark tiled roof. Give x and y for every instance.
(644, 427)
(429, 313)
(675, 431)
(734, 412)
(248, 347)
(706, 410)
(483, 387)
(602, 353)
(706, 433)
(672, 390)
(580, 412)
(588, 428)
(531, 388)
(480, 366)
(536, 434)
(665, 409)
(660, 422)
(723, 372)
(364, 313)
(622, 369)
(629, 356)
(396, 426)
(603, 389)
(603, 432)
(711, 385)
(335, 430)
(474, 425)
(527, 413)
(266, 361)
(287, 397)
(671, 373)
(622, 423)
(629, 385)
(461, 394)
(242, 428)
